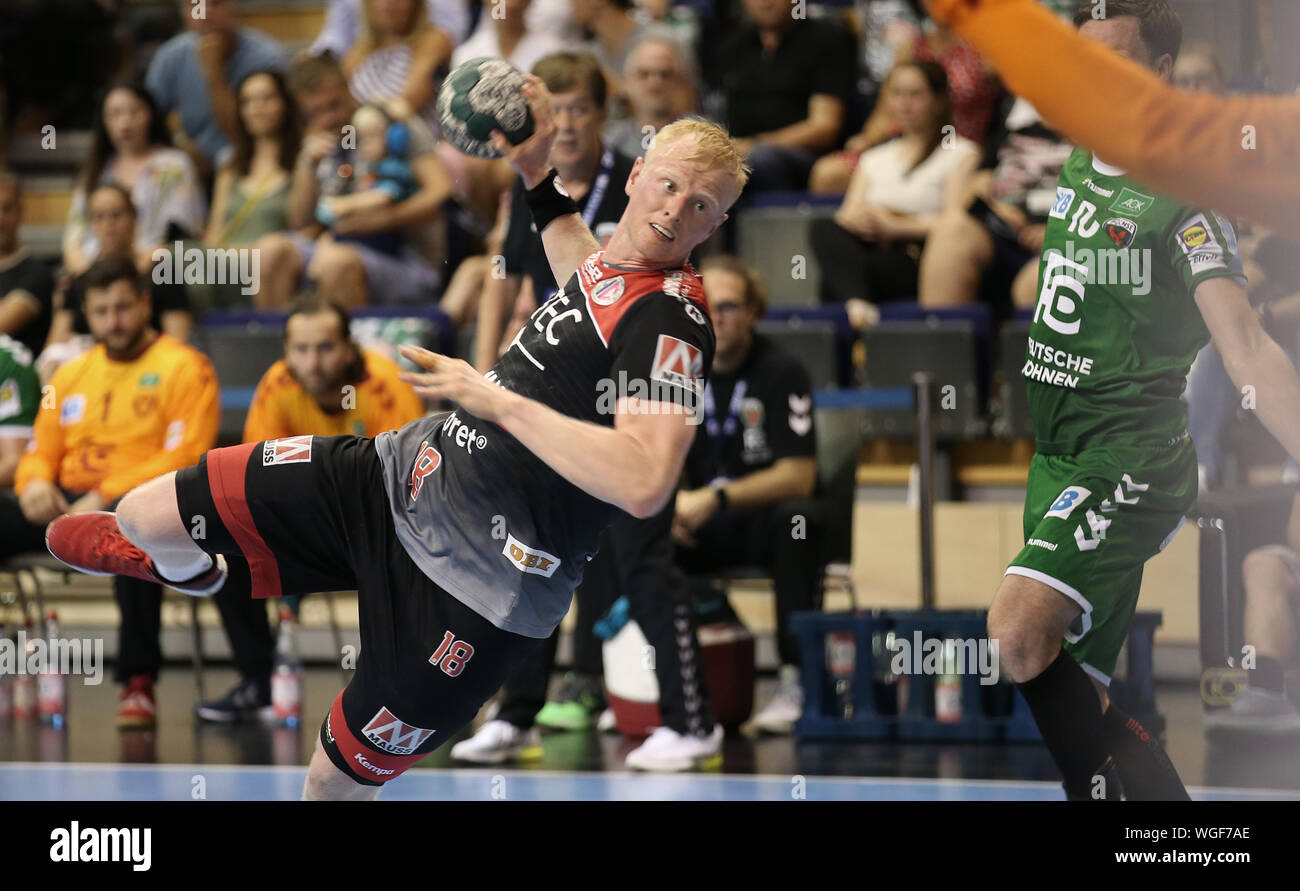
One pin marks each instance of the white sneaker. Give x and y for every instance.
(785, 708)
(498, 742)
(607, 722)
(1256, 711)
(669, 751)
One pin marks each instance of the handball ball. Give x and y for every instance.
(480, 96)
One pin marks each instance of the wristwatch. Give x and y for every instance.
(720, 487)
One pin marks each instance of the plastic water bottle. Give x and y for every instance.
(286, 675)
(24, 684)
(840, 646)
(6, 679)
(52, 684)
(947, 688)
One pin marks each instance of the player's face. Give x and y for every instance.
(578, 123)
(733, 317)
(317, 353)
(327, 108)
(118, 316)
(126, 119)
(654, 80)
(1123, 35)
(112, 221)
(674, 204)
(260, 105)
(10, 218)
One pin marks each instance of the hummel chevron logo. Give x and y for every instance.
(1133, 487)
(1098, 526)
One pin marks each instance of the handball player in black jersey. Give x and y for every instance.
(465, 533)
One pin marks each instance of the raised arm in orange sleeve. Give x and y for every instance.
(264, 419)
(193, 414)
(1237, 154)
(46, 448)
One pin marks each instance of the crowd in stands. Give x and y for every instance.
(327, 161)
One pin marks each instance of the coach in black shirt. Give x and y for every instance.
(25, 282)
(784, 82)
(752, 468)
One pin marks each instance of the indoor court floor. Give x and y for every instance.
(89, 759)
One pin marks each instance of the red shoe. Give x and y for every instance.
(135, 708)
(90, 542)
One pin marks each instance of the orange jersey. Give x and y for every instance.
(109, 426)
(378, 402)
(1237, 154)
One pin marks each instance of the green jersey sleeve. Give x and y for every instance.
(1205, 247)
(20, 389)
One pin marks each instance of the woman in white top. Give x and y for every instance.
(132, 149)
(869, 252)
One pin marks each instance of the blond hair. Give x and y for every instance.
(713, 147)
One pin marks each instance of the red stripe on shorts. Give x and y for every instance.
(364, 760)
(227, 469)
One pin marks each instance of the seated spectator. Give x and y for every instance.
(20, 396)
(112, 222)
(196, 72)
(784, 82)
(678, 18)
(381, 177)
(251, 196)
(870, 251)
(750, 470)
(138, 405)
(1271, 624)
(396, 58)
(26, 286)
(1198, 68)
(593, 175)
(993, 235)
(660, 89)
(972, 88)
(513, 36)
(337, 260)
(131, 148)
(614, 31)
(327, 386)
(343, 24)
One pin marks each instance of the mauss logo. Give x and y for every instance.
(528, 559)
(426, 462)
(677, 362)
(292, 450)
(393, 735)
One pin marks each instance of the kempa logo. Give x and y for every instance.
(208, 266)
(377, 771)
(90, 845)
(951, 656)
(652, 397)
(83, 656)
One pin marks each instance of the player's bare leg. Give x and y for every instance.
(325, 782)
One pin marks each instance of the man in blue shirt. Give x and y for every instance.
(197, 72)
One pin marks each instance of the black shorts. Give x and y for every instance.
(310, 513)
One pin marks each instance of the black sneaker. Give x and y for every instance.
(248, 700)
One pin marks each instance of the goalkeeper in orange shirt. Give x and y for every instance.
(136, 405)
(328, 386)
(1238, 154)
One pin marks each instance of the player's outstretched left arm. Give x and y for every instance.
(1253, 359)
(635, 465)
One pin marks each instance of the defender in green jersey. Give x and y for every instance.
(20, 394)
(1131, 285)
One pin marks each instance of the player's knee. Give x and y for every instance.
(1023, 651)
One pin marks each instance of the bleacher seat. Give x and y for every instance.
(1011, 419)
(949, 352)
(772, 232)
(812, 343)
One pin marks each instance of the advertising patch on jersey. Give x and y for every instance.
(1132, 203)
(751, 412)
(1061, 206)
(10, 403)
(608, 292)
(1120, 231)
(291, 450)
(394, 735)
(1197, 240)
(1229, 232)
(73, 409)
(692, 311)
(149, 380)
(426, 462)
(678, 363)
(175, 432)
(528, 559)
(1065, 503)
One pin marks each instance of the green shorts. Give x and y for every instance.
(1091, 521)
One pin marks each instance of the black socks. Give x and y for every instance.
(1068, 713)
(1144, 768)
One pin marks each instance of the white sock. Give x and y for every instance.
(182, 569)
